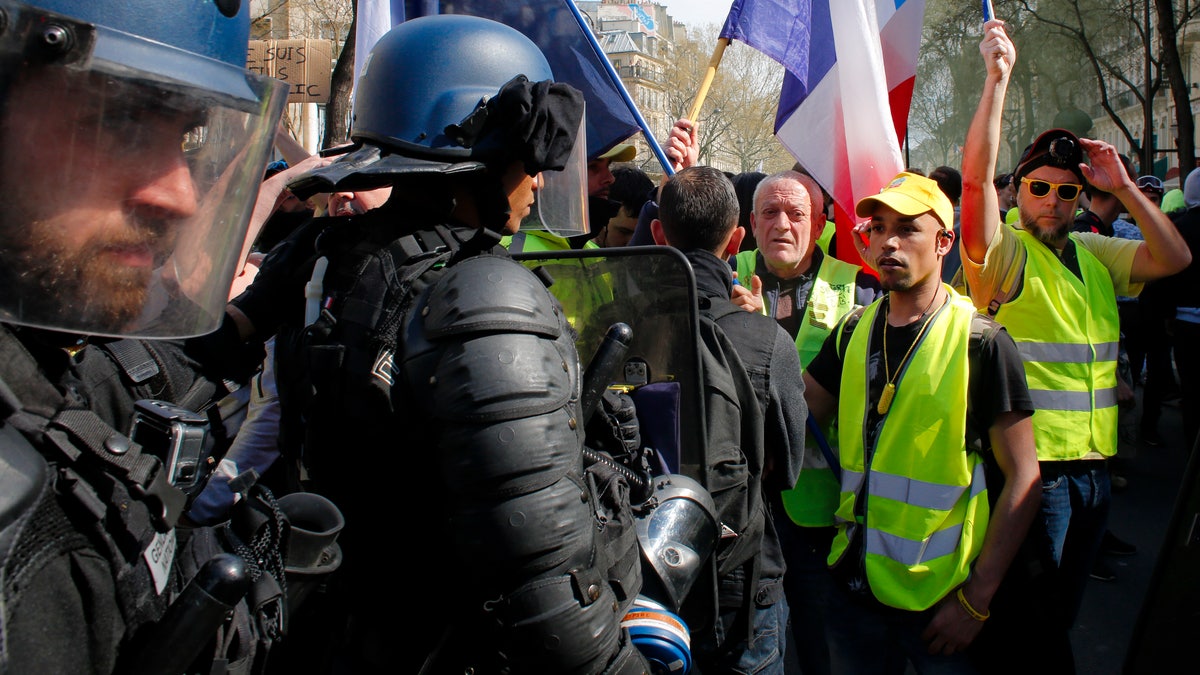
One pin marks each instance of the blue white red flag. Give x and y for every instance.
(844, 104)
(553, 26)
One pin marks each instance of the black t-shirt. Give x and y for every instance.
(996, 383)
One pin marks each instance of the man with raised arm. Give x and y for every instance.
(1054, 291)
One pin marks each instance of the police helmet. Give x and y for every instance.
(133, 144)
(457, 94)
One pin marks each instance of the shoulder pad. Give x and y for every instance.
(23, 476)
(491, 293)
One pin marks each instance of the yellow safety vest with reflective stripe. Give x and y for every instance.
(927, 510)
(1067, 331)
(812, 501)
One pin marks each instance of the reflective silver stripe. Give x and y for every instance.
(923, 494)
(911, 552)
(978, 479)
(1065, 352)
(851, 480)
(1106, 398)
(1075, 401)
(919, 493)
(1107, 351)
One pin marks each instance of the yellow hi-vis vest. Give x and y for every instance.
(1067, 331)
(927, 511)
(812, 501)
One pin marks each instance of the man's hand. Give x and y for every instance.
(1125, 399)
(749, 299)
(1106, 172)
(951, 630)
(861, 236)
(683, 145)
(999, 53)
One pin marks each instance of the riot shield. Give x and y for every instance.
(653, 290)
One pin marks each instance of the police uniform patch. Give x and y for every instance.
(385, 367)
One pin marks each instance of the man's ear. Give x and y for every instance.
(945, 242)
(819, 227)
(656, 231)
(736, 235)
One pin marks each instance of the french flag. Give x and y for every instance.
(845, 99)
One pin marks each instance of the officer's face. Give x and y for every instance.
(907, 250)
(520, 188)
(783, 225)
(97, 187)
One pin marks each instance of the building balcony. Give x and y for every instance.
(641, 73)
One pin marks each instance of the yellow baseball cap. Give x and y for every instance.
(911, 195)
(622, 152)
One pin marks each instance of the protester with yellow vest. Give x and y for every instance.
(1055, 293)
(789, 278)
(929, 395)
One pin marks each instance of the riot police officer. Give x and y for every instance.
(453, 370)
(131, 141)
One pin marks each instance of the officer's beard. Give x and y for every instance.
(55, 286)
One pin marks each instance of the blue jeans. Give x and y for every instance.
(763, 655)
(1070, 525)
(871, 639)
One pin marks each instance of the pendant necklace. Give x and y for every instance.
(889, 389)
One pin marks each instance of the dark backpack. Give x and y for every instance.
(734, 433)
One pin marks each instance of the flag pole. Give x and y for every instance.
(616, 80)
(710, 74)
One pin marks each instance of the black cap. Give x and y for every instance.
(1058, 148)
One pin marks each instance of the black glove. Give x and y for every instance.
(614, 428)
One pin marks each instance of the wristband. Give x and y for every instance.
(962, 600)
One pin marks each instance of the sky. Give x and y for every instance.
(698, 12)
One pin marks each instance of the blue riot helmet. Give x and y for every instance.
(132, 145)
(456, 95)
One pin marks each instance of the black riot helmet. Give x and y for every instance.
(457, 95)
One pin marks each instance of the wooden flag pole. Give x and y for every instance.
(711, 73)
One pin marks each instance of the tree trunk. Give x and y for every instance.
(1180, 90)
(1147, 158)
(337, 127)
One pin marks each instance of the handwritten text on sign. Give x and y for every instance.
(305, 65)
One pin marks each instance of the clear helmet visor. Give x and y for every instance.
(129, 196)
(560, 202)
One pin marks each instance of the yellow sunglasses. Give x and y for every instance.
(1040, 188)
